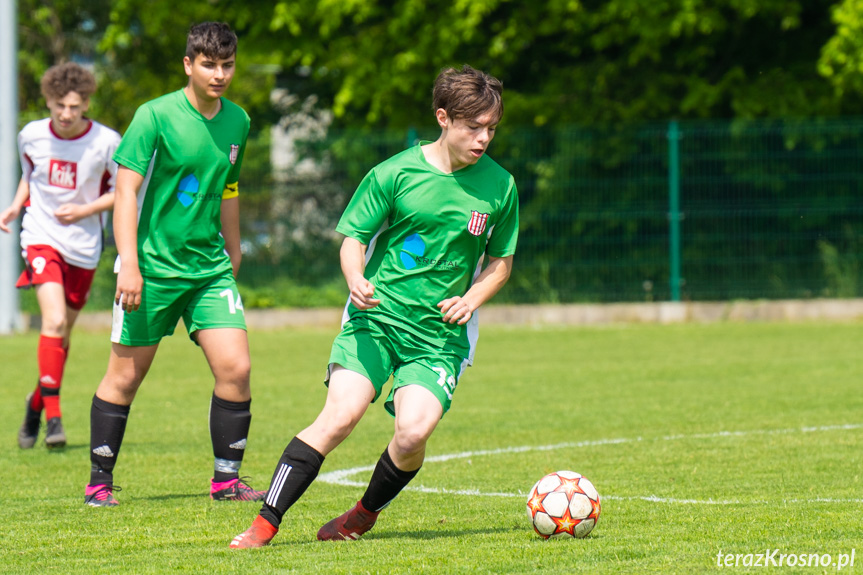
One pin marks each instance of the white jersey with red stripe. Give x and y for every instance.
(60, 171)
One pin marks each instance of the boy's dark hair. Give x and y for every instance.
(212, 39)
(61, 79)
(467, 93)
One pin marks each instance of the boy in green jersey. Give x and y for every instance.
(176, 223)
(417, 233)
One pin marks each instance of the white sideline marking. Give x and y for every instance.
(342, 476)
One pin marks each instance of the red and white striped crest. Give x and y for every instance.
(476, 224)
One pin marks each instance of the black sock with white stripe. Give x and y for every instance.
(107, 427)
(298, 466)
(229, 428)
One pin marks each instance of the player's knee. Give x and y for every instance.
(411, 440)
(236, 372)
(119, 386)
(54, 324)
(336, 424)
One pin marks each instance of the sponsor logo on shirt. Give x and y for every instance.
(235, 153)
(414, 246)
(188, 189)
(412, 256)
(476, 223)
(63, 174)
(188, 192)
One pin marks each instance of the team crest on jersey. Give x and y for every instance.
(63, 174)
(477, 222)
(235, 153)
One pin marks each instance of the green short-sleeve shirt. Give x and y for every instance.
(427, 234)
(188, 162)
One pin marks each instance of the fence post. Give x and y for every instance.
(674, 215)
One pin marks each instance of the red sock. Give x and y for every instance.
(52, 360)
(36, 403)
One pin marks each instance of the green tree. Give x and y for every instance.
(842, 56)
(566, 61)
(562, 61)
(52, 32)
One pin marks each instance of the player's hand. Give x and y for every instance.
(130, 284)
(69, 213)
(362, 294)
(455, 310)
(6, 216)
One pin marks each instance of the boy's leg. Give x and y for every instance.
(348, 398)
(55, 433)
(61, 290)
(418, 412)
(127, 367)
(227, 352)
(51, 354)
(135, 338)
(214, 317)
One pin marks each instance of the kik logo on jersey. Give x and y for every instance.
(188, 188)
(63, 174)
(413, 247)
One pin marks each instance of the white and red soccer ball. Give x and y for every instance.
(563, 504)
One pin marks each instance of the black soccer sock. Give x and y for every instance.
(387, 481)
(298, 466)
(229, 428)
(107, 427)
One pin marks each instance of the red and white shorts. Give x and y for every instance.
(46, 265)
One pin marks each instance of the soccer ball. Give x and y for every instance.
(563, 504)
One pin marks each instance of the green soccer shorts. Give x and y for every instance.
(378, 350)
(203, 303)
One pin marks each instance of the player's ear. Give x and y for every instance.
(187, 65)
(442, 118)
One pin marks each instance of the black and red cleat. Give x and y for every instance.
(101, 495)
(236, 490)
(349, 526)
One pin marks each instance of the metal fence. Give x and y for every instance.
(673, 211)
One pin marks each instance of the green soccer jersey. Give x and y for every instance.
(427, 233)
(188, 163)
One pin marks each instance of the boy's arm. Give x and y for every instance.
(493, 277)
(14, 210)
(71, 213)
(353, 259)
(231, 231)
(129, 280)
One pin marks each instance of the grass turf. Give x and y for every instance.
(702, 439)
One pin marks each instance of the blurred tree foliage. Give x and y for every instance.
(562, 61)
(601, 66)
(51, 32)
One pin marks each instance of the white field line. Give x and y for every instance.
(343, 476)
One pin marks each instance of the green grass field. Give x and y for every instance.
(702, 439)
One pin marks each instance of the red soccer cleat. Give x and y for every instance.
(349, 526)
(258, 535)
